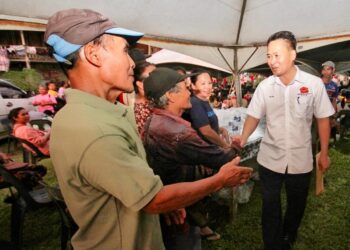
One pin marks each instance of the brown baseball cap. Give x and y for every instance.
(69, 30)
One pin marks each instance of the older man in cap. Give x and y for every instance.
(328, 70)
(111, 192)
(175, 150)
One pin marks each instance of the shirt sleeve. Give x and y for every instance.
(111, 165)
(193, 150)
(322, 105)
(199, 116)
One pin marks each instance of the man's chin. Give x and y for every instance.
(129, 90)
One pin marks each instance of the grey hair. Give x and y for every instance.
(163, 101)
(43, 85)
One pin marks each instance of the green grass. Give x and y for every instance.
(326, 224)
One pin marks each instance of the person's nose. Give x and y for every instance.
(132, 63)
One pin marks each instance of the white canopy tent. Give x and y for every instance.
(227, 33)
(165, 56)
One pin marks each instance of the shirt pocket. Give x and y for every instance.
(303, 105)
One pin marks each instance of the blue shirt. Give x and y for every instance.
(202, 114)
(332, 90)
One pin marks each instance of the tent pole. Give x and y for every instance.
(223, 57)
(251, 55)
(236, 77)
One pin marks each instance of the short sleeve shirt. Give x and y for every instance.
(50, 100)
(332, 90)
(102, 171)
(289, 110)
(202, 114)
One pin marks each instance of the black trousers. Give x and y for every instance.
(274, 228)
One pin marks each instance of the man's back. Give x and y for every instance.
(103, 175)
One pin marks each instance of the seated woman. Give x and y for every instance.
(202, 116)
(20, 117)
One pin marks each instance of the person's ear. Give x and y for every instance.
(91, 53)
(294, 54)
(139, 84)
(170, 96)
(193, 86)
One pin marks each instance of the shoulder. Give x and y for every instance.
(195, 100)
(165, 125)
(310, 79)
(266, 83)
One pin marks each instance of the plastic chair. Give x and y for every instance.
(68, 226)
(41, 124)
(30, 200)
(23, 201)
(31, 150)
(344, 121)
(10, 139)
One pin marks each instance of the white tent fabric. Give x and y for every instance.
(225, 33)
(199, 28)
(165, 56)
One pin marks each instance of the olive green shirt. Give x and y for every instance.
(102, 171)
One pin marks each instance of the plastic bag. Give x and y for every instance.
(244, 192)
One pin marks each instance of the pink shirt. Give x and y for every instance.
(35, 136)
(44, 102)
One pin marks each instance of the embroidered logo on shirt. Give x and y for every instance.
(210, 113)
(304, 90)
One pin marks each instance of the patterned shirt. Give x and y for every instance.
(142, 112)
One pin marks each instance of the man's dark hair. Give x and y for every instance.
(286, 35)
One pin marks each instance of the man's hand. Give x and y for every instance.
(232, 174)
(224, 135)
(238, 139)
(176, 217)
(323, 162)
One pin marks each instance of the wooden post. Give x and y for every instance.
(25, 46)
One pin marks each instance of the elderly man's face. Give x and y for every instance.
(182, 97)
(117, 66)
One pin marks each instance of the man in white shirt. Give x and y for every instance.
(289, 100)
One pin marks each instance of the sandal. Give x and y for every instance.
(211, 237)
